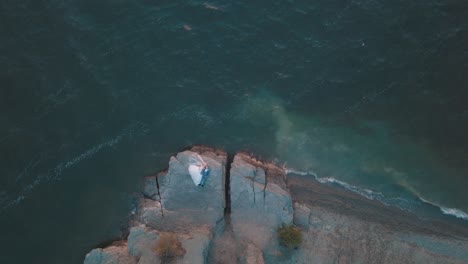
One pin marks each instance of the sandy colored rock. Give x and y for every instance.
(260, 202)
(254, 255)
(301, 215)
(141, 240)
(196, 244)
(114, 254)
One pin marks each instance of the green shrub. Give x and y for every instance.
(169, 247)
(289, 236)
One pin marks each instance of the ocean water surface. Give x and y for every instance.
(367, 95)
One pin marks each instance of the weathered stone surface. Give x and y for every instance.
(260, 202)
(335, 238)
(149, 258)
(184, 205)
(196, 244)
(342, 229)
(142, 243)
(301, 215)
(114, 254)
(254, 255)
(337, 226)
(150, 211)
(141, 240)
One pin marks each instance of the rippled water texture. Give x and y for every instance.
(369, 95)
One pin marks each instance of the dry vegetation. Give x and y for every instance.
(289, 236)
(169, 247)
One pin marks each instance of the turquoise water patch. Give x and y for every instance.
(368, 155)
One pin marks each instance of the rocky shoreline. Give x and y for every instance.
(234, 219)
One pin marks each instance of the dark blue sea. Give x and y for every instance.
(369, 95)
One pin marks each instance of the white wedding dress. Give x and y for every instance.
(195, 173)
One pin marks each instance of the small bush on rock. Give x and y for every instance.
(289, 236)
(169, 247)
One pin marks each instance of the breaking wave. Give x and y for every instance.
(364, 192)
(454, 212)
(448, 211)
(372, 195)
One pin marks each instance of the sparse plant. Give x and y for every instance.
(169, 247)
(289, 236)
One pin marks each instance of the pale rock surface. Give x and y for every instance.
(260, 202)
(301, 215)
(141, 240)
(197, 244)
(181, 205)
(254, 255)
(114, 254)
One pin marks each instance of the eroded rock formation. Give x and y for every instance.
(234, 219)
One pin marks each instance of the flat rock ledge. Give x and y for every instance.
(260, 203)
(170, 202)
(234, 219)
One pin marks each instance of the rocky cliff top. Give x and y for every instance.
(234, 218)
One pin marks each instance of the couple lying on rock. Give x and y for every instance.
(199, 171)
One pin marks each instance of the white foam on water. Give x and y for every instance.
(297, 172)
(85, 155)
(369, 194)
(56, 173)
(372, 195)
(364, 192)
(454, 212)
(448, 211)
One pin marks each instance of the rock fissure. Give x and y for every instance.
(159, 195)
(227, 186)
(252, 181)
(265, 186)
